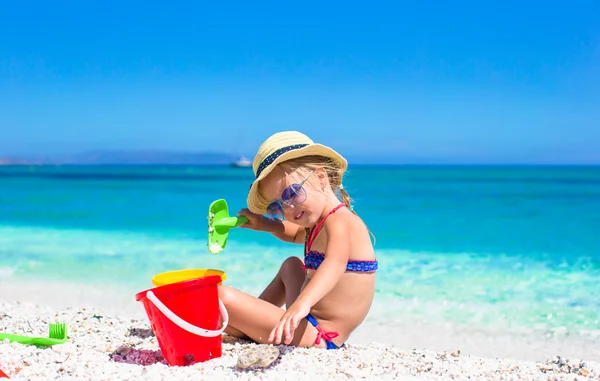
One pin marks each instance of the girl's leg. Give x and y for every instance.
(256, 318)
(235, 332)
(286, 286)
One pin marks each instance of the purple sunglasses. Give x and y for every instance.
(293, 194)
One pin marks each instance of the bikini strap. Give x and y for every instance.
(312, 233)
(328, 336)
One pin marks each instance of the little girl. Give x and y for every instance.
(329, 293)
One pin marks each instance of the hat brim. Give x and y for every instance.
(258, 204)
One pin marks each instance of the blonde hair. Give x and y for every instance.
(334, 174)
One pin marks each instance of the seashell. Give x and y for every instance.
(260, 356)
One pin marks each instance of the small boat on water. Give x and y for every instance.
(242, 162)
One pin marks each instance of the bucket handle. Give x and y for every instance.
(184, 324)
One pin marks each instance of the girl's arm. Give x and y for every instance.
(284, 230)
(332, 268)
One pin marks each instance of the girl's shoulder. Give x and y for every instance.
(345, 221)
(351, 229)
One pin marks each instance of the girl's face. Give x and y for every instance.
(297, 196)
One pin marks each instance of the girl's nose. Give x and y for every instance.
(288, 209)
(287, 206)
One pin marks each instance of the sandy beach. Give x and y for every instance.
(110, 339)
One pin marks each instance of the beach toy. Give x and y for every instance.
(2, 374)
(185, 317)
(57, 335)
(219, 223)
(181, 275)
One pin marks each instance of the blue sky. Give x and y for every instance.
(438, 81)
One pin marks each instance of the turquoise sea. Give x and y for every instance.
(516, 248)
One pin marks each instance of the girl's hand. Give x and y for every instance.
(255, 221)
(289, 322)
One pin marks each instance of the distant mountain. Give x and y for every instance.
(127, 157)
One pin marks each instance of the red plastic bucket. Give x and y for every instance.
(185, 317)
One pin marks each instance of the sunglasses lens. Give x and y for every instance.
(294, 194)
(275, 210)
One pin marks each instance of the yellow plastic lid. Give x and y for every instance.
(183, 275)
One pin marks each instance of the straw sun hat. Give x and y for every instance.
(281, 147)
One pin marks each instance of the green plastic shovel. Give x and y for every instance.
(219, 223)
(57, 335)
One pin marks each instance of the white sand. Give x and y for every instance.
(375, 351)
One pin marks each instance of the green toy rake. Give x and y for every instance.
(219, 223)
(57, 335)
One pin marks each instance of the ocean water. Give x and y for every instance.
(514, 248)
